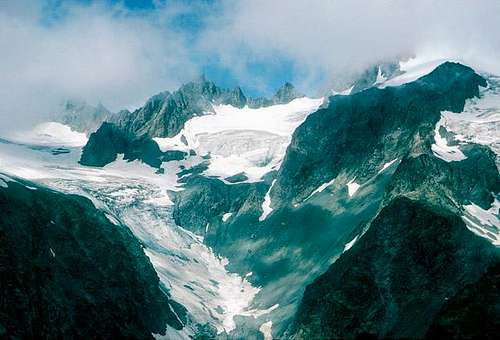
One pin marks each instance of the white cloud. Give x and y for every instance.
(98, 53)
(333, 37)
(120, 57)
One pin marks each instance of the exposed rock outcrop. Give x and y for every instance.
(356, 133)
(83, 117)
(164, 115)
(66, 271)
(397, 277)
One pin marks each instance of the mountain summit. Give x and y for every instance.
(164, 115)
(286, 94)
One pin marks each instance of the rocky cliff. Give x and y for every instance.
(360, 171)
(415, 269)
(67, 271)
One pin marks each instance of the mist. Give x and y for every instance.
(95, 53)
(118, 56)
(327, 39)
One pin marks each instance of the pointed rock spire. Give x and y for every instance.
(286, 94)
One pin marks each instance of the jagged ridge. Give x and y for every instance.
(164, 115)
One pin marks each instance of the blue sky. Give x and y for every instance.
(273, 71)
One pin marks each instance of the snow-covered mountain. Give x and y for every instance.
(371, 212)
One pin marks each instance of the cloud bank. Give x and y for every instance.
(119, 56)
(328, 37)
(99, 53)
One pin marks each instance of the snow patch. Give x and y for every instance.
(266, 330)
(224, 167)
(266, 205)
(4, 180)
(412, 70)
(320, 188)
(161, 201)
(345, 92)
(485, 223)
(258, 313)
(349, 244)
(277, 119)
(380, 77)
(480, 120)
(172, 143)
(112, 219)
(352, 187)
(386, 165)
(441, 149)
(226, 216)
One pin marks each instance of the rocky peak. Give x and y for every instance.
(155, 102)
(201, 93)
(81, 116)
(286, 94)
(405, 111)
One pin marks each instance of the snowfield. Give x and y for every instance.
(480, 121)
(50, 134)
(485, 223)
(246, 140)
(412, 70)
(131, 194)
(441, 149)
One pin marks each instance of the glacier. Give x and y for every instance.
(246, 140)
(132, 194)
(242, 140)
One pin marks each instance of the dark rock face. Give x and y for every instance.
(395, 280)
(67, 272)
(448, 184)
(106, 143)
(173, 155)
(205, 200)
(103, 146)
(164, 114)
(283, 95)
(241, 177)
(286, 94)
(415, 204)
(411, 273)
(355, 132)
(59, 151)
(474, 313)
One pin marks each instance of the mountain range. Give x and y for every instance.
(372, 212)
